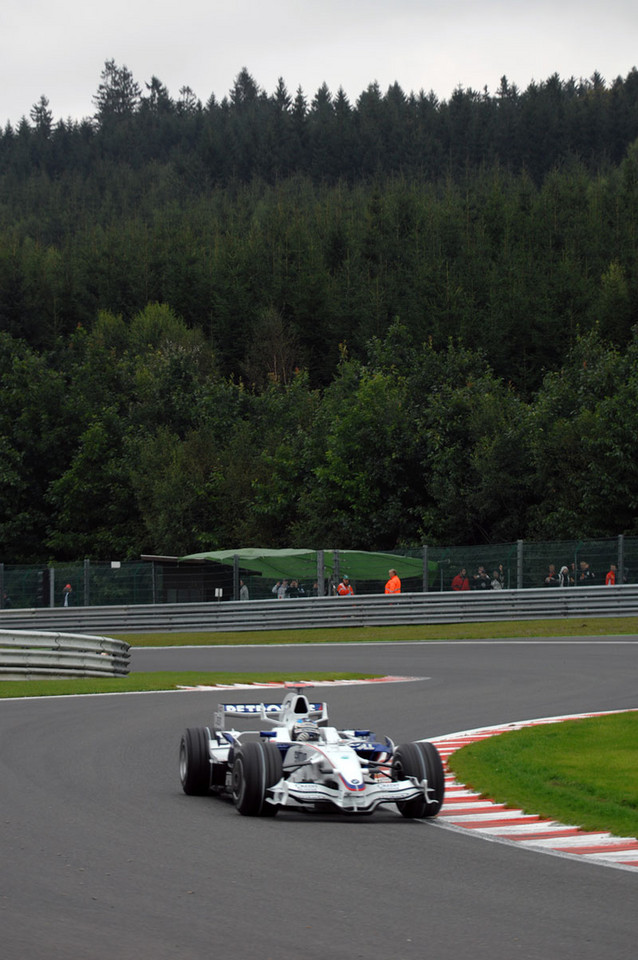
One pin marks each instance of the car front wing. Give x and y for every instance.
(292, 793)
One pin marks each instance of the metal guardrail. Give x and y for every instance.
(327, 612)
(30, 654)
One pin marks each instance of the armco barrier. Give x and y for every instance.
(326, 612)
(30, 654)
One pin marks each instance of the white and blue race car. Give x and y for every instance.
(303, 763)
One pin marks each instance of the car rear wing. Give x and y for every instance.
(270, 712)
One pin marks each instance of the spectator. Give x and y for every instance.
(480, 580)
(293, 590)
(67, 598)
(610, 578)
(280, 589)
(7, 602)
(345, 587)
(497, 581)
(587, 576)
(551, 580)
(461, 581)
(243, 591)
(564, 580)
(394, 584)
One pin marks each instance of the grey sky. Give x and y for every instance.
(58, 49)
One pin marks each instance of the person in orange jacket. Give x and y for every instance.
(345, 588)
(394, 584)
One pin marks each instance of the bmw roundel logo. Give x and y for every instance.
(355, 780)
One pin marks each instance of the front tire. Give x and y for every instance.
(422, 761)
(194, 762)
(257, 767)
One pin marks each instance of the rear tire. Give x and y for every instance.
(257, 767)
(422, 761)
(194, 762)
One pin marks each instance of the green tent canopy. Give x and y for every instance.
(302, 564)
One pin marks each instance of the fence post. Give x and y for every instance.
(620, 572)
(320, 574)
(1, 585)
(51, 586)
(576, 552)
(235, 576)
(425, 569)
(335, 570)
(87, 582)
(519, 564)
(153, 583)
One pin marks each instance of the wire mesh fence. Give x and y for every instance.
(517, 565)
(524, 564)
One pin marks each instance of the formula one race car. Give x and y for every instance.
(305, 764)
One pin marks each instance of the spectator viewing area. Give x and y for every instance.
(217, 576)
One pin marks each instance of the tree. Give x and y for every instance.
(118, 94)
(168, 476)
(364, 486)
(158, 100)
(471, 433)
(42, 117)
(37, 433)
(245, 91)
(92, 500)
(188, 103)
(269, 463)
(583, 444)
(274, 351)
(281, 98)
(614, 313)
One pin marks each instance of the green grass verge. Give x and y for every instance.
(575, 627)
(137, 682)
(579, 772)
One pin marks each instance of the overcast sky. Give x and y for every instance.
(58, 49)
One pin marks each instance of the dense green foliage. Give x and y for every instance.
(279, 323)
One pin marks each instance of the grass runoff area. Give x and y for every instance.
(578, 772)
(506, 629)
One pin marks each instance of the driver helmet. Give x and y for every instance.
(305, 730)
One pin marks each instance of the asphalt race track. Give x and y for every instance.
(104, 857)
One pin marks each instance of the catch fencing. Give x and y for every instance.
(32, 654)
(521, 565)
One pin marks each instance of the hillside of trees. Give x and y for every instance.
(286, 322)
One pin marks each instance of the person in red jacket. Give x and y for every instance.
(394, 584)
(345, 588)
(461, 581)
(610, 579)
